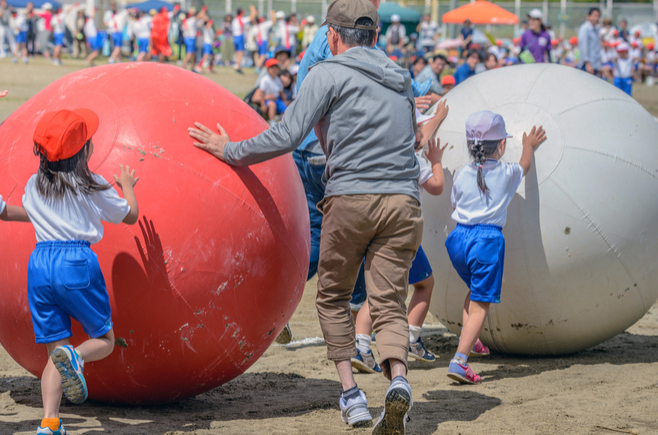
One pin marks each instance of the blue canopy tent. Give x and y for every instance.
(151, 4)
(20, 4)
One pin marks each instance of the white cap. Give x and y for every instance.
(536, 13)
(623, 46)
(47, 6)
(311, 19)
(395, 18)
(485, 125)
(280, 15)
(294, 69)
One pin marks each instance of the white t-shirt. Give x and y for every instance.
(208, 35)
(239, 24)
(472, 207)
(73, 217)
(271, 86)
(623, 68)
(115, 22)
(427, 33)
(2, 204)
(20, 23)
(189, 27)
(90, 29)
(57, 22)
(142, 27)
(425, 171)
(264, 30)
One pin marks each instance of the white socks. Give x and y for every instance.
(363, 342)
(414, 333)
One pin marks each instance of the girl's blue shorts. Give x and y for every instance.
(21, 38)
(477, 253)
(207, 49)
(190, 45)
(262, 48)
(64, 281)
(238, 42)
(143, 45)
(59, 39)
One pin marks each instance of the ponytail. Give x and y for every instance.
(481, 151)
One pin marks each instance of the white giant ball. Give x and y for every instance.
(582, 230)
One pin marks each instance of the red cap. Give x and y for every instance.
(271, 62)
(650, 47)
(62, 134)
(573, 40)
(393, 58)
(555, 42)
(499, 42)
(634, 44)
(448, 80)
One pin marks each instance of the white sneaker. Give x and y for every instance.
(355, 411)
(394, 417)
(49, 431)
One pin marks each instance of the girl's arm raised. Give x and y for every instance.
(13, 213)
(530, 143)
(126, 181)
(434, 186)
(427, 130)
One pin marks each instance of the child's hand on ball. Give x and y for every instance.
(535, 137)
(126, 178)
(434, 151)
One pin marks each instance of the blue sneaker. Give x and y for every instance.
(70, 366)
(418, 352)
(49, 431)
(393, 420)
(365, 362)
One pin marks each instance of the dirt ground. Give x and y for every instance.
(293, 389)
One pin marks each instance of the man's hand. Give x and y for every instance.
(442, 109)
(589, 68)
(434, 151)
(423, 102)
(126, 178)
(210, 141)
(3, 93)
(536, 137)
(434, 98)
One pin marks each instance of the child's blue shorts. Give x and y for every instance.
(117, 39)
(190, 45)
(207, 49)
(420, 268)
(21, 38)
(59, 39)
(477, 253)
(262, 48)
(625, 85)
(64, 280)
(95, 43)
(143, 45)
(238, 41)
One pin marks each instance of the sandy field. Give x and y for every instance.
(609, 389)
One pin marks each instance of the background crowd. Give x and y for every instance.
(275, 43)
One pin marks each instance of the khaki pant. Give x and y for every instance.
(386, 230)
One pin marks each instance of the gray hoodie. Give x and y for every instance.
(362, 107)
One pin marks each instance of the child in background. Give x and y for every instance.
(271, 90)
(288, 88)
(58, 25)
(447, 82)
(66, 203)
(623, 69)
(20, 29)
(208, 40)
(94, 38)
(481, 194)
(142, 31)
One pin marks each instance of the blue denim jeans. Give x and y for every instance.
(311, 167)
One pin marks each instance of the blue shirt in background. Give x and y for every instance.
(463, 72)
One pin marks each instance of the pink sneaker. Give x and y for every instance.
(462, 373)
(480, 349)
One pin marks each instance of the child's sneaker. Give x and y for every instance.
(418, 352)
(355, 412)
(49, 431)
(462, 373)
(398, 402)
(285, 336)
(480, 349)
(365, 362)
(70, 366)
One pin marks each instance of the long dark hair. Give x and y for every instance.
(54, 179)
(481, 150)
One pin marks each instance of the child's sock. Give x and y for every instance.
(351, 393)
(363, 342)
(51, 423)
(414, 333)
(463, 359)
(399, 378)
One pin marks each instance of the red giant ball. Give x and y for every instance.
(215, 268)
